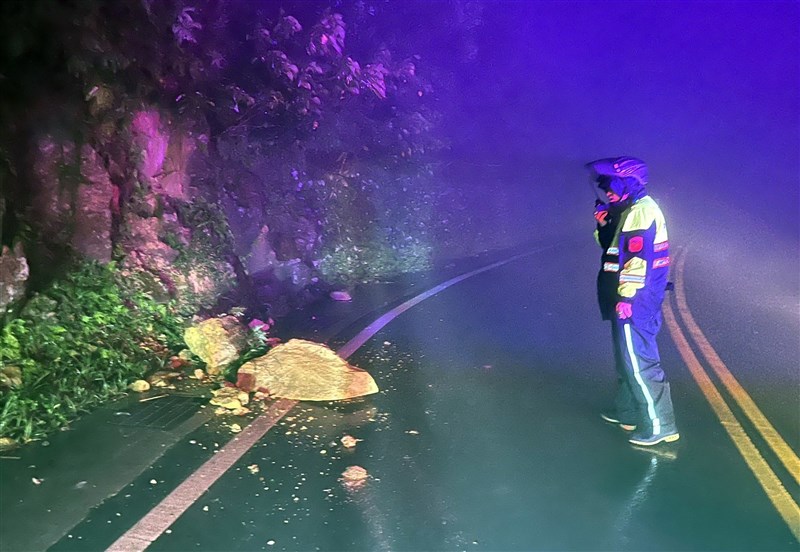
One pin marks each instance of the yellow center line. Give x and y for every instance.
(777, 494)
(784, 452)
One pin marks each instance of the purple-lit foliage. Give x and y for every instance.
(311, 141)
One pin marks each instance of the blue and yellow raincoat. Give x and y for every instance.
(636, 263)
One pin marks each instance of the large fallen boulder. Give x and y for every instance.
(305, 371)
(217, 341)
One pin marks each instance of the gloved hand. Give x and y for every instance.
(600, 216)
(624, 310)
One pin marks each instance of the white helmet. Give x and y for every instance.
(620, 167)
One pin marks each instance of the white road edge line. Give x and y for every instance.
(162, 516)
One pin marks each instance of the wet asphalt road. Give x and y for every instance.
(486, 436)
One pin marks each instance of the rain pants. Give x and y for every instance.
(638, 255)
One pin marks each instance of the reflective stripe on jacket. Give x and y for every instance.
(642, 246)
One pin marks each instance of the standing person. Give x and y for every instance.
(633, 279)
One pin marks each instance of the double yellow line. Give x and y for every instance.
(777, 493)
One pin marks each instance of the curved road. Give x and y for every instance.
(486, 434)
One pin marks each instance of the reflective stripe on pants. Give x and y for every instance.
(641, 365)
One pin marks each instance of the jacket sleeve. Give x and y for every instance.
(636, 239)
(604, 235)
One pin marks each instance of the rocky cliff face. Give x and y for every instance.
(190, 223)
(13, 278)
(76, 208)
(242, 148)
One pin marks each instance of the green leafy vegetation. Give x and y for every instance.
(373, 263)
(78, 343)
(211, 235)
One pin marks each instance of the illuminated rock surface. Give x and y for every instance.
(217, 341)
(307, 371)
(139, 386)
(230, 398)
(13, 275)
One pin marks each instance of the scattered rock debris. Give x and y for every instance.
(139, 386)
(163, 378)
(348, 441)
(230, 398)
(261, 395)
(354, 477)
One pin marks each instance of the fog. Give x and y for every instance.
(525, 93)
(706, 92)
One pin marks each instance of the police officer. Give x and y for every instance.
(631, 285)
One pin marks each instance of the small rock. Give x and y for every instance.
(348, 441)
(157, 381)
(230, 398)
(341, 296)
(139, 386)
(153, 482)
(246, 381)
(236, 428)
(354, 477)
(260, 325)
(261, 396)
(176, 362)
(10, 376)
(355, 473)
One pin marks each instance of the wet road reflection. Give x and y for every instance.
(485, 436)
(640, 494)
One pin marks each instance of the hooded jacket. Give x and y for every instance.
(641, 247)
